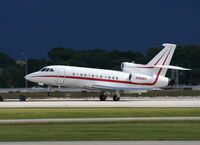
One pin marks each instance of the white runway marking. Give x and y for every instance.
(131, 103)
(103, 143)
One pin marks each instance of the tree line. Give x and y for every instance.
(12, 72)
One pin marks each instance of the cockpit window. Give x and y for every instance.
(47, 70)
(51, 70)
(43, 69)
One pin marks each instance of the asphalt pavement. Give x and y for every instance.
(97, 103)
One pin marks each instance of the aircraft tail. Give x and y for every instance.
(158, 65)
(163, 58)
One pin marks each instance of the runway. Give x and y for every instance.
(93, 103)
(103, 143)
(95, 119)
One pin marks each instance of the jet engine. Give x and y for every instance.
(140, 78)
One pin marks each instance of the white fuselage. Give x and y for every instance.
(88, 77)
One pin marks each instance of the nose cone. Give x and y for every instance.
(27, 77)
(33, 77)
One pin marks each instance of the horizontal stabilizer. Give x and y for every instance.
(170, 67)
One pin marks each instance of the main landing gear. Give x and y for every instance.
(116, 96)
(102, 97)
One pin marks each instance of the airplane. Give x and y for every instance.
(133, 78)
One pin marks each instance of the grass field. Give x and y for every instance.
(123, 130)
(33, 113)
(88, 131)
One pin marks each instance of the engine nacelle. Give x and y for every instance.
(140, 78)
(126, 66)
(135, 68)
(162, 82)
(144, 74)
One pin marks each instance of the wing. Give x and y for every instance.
(117, 88)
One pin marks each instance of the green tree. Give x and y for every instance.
(6, 61)
(61, 55)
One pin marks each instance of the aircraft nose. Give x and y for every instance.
(27, 77)
(33, 77)
(30, 77)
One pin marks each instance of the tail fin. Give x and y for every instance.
(163, 57)
(157, 66)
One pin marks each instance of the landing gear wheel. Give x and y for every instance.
(116, 98)
(102, 97)
(49, 94)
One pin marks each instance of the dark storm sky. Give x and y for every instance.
(36, 26)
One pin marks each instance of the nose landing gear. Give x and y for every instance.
(50, 91)
(49, 94)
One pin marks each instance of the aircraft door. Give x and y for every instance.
(61, 76)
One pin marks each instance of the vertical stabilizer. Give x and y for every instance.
(163, 57)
